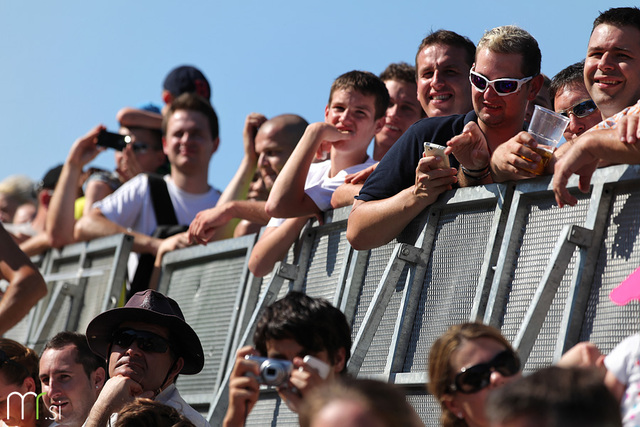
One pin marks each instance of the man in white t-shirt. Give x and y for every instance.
(190, 138)
(356, 110)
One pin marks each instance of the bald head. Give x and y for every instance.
(275, 141)
(286, 128)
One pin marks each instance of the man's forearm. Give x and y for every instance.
(238, 187)
(273, 245)
(606, 145)
(25, 289)
(376, 223)
(251, 210)
(60, 216)
(35, 245)
(95, 225)
(345, 195)
(287, 197)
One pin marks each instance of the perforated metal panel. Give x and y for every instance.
(270, 410)
(377, 262)
(84, 279)
(375, 360)
(209, 284)
(326, 260)
(544, 221)
(605, 323)
(449, 287)
(425, 405)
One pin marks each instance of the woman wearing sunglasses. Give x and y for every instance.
(19, 375)
(465, 364)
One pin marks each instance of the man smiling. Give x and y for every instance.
(71, 376)
(506, 75)
(442, 68)
(612, 76)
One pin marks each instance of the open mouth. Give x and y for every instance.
(393, 128)
(606, 81)
(444, 97)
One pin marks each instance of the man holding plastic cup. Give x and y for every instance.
(505, 77)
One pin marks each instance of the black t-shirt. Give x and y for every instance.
(397, 169)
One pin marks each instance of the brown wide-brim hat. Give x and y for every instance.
(149, 307)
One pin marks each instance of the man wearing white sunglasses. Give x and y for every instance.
(506, 75)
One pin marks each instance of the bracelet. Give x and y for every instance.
(474, 170)
(476, 177)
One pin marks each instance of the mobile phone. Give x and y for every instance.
(431, 149)
(317, 364)
(113, 140)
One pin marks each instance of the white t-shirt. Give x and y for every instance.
(130, 205)
(320, 187)
(624, 363)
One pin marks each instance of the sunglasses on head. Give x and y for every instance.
(581, 109)
(503, 87)
(4, 359)
(475, 378)
(146, 341)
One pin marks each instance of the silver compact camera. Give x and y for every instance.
(273, 372)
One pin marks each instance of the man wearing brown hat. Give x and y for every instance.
(146, 344)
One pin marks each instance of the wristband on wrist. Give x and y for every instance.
(476, 173)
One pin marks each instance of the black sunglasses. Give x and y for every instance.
(146, 341)
(581, 109)
(475, 378)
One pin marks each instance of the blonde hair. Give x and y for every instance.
(513, 40)
(20, 187)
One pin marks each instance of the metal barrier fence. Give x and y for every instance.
(504, 254)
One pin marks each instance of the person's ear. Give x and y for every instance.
(326, 112)
(453, 406)
(340, 360)
(98, 378)
(30, 384)
(380, 123)
(535, 86)
(167, 98)
(216, 144)
(177, 367)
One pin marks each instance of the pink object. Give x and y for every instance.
(628, 290)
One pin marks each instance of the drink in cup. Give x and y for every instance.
(546, 127)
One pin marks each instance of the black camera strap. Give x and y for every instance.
(166, 226)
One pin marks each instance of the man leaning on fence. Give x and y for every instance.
(405, 183)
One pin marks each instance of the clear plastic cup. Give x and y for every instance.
(546, 127)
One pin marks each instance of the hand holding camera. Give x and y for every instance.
(277, 372)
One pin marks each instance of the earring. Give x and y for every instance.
(460, 415)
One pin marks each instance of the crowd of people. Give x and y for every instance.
(474, 100)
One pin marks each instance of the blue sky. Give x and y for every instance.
(66, 66)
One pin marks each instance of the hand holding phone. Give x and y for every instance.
(321, 367)
(431, 149)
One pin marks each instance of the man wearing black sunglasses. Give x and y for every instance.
(146, 344)
(505, 76)
(571, 99)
